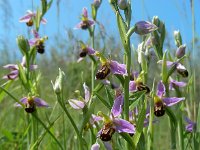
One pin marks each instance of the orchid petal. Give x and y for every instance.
(135, 74)
(176, 83)
(117, 68)
(95, 118)
(132, 86)
(90, 50)
(23, 100)
(95, 146)
(170, 101)
(91, 22)
(145, 27)
(80, 59)
(35, 33)
(160, 89)
(12, 75)
(11, 66)
(79, 25)
(189, 127)
(85, 12)
(25, 18)
(117, 106)
(33, 67)
(169, 63)
(189, 121)
(76, 104)
(32, 42)
(180, 66)
(43, 20)
(40, 102)
(122, 125)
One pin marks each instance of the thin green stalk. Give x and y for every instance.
(34, 130)
(180, 132)
(150, 129)
(127, 80)
(91, 33)
(29, 133)
(46, 128)
(70, 118)
(64, 136)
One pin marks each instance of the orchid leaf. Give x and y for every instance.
(140, 124)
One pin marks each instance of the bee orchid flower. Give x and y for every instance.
(173, 84)
(29, 17)
(160, 102)
(85, 21)
(136, 84)
(85, 50)
(31, 103)
(80, 104)
(15, 69)
(38, 42)
(113, 123)
(178, 67)
(109, 66)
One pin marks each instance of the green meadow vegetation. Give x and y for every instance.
(59, 78)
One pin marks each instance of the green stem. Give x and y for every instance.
(91, 33)
(64, 136)
(150, 129)
(46, 128)
(34, 129)
(130, 32)
(127, 80)
(180, 132)
(70, 118)
(29, 133)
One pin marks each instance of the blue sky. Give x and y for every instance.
(175, 13)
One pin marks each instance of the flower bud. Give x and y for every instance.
(181, 51)
(144, 27)
(97, 3)
(178, 38)
(95, 146)
(122, 4)
(112, 1)
(59, 82)
(23, 44)
(159, 24)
